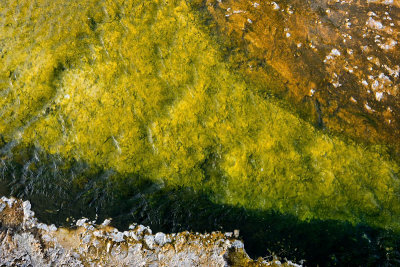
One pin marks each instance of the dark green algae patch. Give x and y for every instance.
(138, 114)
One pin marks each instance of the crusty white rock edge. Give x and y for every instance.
(24, 240)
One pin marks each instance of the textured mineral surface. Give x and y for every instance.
(250, 102)
(24, 241)
(145, 89)
(339, 59)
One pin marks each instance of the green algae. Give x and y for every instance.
(142, 87)
(99, 194)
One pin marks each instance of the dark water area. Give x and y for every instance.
(53, 188)
(4, 188)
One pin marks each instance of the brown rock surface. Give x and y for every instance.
(340, 60)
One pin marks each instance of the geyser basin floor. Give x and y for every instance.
(141, 88)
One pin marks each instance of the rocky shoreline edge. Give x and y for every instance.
(24, 241)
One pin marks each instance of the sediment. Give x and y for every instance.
(338, 60)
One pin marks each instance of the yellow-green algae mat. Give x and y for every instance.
(142, 87)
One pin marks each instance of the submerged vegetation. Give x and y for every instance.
(101, 194)
(142, 87)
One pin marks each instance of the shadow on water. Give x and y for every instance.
(60, 190)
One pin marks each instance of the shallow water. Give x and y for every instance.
(129, 199)
(141, 111)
